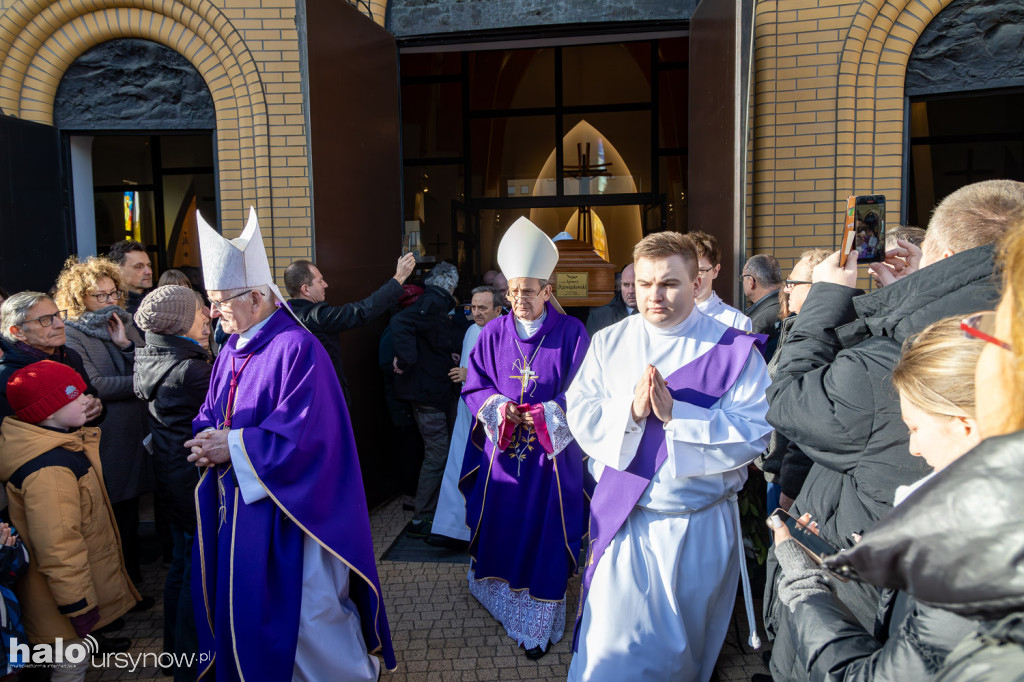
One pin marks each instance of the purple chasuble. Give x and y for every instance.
(701, 382)
(247, 559)
(526, 513)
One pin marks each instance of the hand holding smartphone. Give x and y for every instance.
(817, 548)
(864, 229)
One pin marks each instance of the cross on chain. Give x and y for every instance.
(525, 377)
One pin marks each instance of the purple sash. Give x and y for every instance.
(702, 383)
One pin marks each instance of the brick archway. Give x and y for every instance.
(870, 98)
(39, 40)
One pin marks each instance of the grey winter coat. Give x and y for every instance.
(833, 396)
(126, 466)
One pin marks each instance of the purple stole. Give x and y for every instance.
(701, 382)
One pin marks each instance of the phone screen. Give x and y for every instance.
(864, 229)
(813, 543)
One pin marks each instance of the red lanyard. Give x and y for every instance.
(234, 386)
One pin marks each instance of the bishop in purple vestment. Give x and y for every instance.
(523, 481)
(284, 580)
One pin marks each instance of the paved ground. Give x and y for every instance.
(439, 631)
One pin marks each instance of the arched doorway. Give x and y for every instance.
(965, 91)
(139, 121)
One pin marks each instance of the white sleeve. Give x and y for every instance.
(248, 482)
(726, 436)
(601, 423)
(743, 322)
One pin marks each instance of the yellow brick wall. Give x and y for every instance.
(827, 118)
(248, 53)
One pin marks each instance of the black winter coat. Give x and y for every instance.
(15, 358)
(910, 641)
(957, 543)
(173, 375)
(424, 338)
(326, 321)
(833, 397)
(606, 315)
(764, 319)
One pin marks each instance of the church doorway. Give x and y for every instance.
(956, 140)
(577, 137)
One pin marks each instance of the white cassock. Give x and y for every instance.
(663, 592)
(330, 643)
(450, 515)
(715, 307)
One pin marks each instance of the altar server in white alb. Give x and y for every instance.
(709, 265)
(670, 405)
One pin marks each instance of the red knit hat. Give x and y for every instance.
(40, 389)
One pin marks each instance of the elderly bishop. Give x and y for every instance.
(284, 582)
(523, 473)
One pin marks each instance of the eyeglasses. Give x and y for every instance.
(47, 320)
(743, 277)
(705, 271)
(523, 296)
(106, 297)
(983, 326)
(790, 283)
(219, 305)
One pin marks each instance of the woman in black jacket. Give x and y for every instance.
(934, 379)
(172, 373)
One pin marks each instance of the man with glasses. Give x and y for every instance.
(33, 330)
(762, 279)
(619, 308)
(284, 581)
(522, 475)
(832, 394)
(709, 264)
(136, 271)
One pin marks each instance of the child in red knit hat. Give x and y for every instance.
(76, 579)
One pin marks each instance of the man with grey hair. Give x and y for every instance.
(426, 339)
(762, 279)
(449, 527)
(32, 329)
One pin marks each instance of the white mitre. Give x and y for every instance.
(525, 251)
(236, 263)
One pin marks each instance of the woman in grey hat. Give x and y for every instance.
(172, 373)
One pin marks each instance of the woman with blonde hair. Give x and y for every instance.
(934, 379)
(102, 332)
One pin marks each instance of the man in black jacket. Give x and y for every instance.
(426, 345)
(33, 330)
(762, 280)
(620, 307)
(832, 394)
(136, 271)
(307, 288)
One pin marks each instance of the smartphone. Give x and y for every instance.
(815, 546)
(864, 229)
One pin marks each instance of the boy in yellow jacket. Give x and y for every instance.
(76, 579)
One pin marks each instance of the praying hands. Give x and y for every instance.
(652, 395)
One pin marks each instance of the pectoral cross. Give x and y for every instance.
(525, 376)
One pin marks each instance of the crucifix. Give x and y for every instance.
(584, 171)
(525, 376)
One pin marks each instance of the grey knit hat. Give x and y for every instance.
(168, 309)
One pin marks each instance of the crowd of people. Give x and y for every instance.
(608, 448)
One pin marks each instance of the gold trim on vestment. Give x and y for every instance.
(202, 554)
(231, 589)
(376, 617)
(524, 589)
